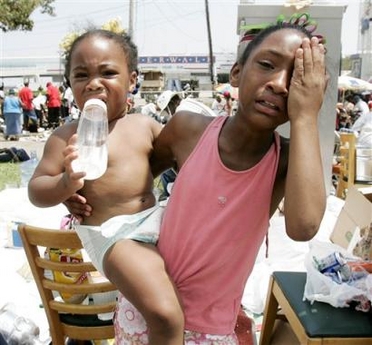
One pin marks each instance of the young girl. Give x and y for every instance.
(102, 64)
(215, 221)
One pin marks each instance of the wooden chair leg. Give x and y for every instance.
(270, 312)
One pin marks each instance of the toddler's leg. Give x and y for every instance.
(138, 271)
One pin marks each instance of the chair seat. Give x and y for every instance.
(321, 320)
(84, 320)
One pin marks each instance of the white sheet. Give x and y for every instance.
(284, 255)
(17, 286)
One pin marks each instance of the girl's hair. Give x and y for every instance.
(262, 35)
(123, 40)
(257, 33)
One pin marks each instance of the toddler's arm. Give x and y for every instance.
(54, 180)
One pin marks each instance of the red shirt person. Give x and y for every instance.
(26, 96)
(53, 104)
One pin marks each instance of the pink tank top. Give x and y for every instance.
(213, 227)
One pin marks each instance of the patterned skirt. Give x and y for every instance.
(131, 329)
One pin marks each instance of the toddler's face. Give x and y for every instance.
(99, 70)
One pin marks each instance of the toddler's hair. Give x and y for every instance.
(122, 39)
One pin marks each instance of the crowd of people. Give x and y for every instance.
(28, 111)
(166, 104)
(354, 114)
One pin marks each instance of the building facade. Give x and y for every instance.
(175, 68)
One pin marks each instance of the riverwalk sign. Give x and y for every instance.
(175, 59)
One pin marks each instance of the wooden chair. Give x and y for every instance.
(347, 166)
(66, 320)
(313, 324)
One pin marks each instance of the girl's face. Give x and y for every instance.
(99, 70)
(264, 79)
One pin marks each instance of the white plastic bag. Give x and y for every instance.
(16, 329)
(322, 288)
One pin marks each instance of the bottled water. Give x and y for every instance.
(92, 135)
(28, 168)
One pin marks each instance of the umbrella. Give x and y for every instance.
(221, 88)
(353, 84)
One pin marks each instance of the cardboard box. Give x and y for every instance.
(356, 214)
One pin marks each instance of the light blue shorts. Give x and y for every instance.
(97, 240)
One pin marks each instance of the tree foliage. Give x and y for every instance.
(113, 25)
(15, 14)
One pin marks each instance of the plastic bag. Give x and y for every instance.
(356, 290)
(16, 329)
(363, 247)
(67, 255)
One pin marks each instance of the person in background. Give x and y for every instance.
(360, 107)
(2, 96)
(363, 129)
(218, 106)
(234, 106)
(39, 103)
(167, 103)
(343, 119)
(130, 104)
(167, 179)
(12, 111)
(26, 96)
(53, 102)
(152, 110)
(228, 103)
(67, 99)
(369, 100)
(364, 138)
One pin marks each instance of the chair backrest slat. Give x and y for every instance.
(54, 239)
(85, 288)
(82, 309)
(64, 266)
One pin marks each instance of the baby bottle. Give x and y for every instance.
(92, 135)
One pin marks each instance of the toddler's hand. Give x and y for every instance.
(77, 206)
(73, 180)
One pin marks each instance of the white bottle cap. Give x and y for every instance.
(95, 102)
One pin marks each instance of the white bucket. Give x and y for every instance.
(363, 164)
